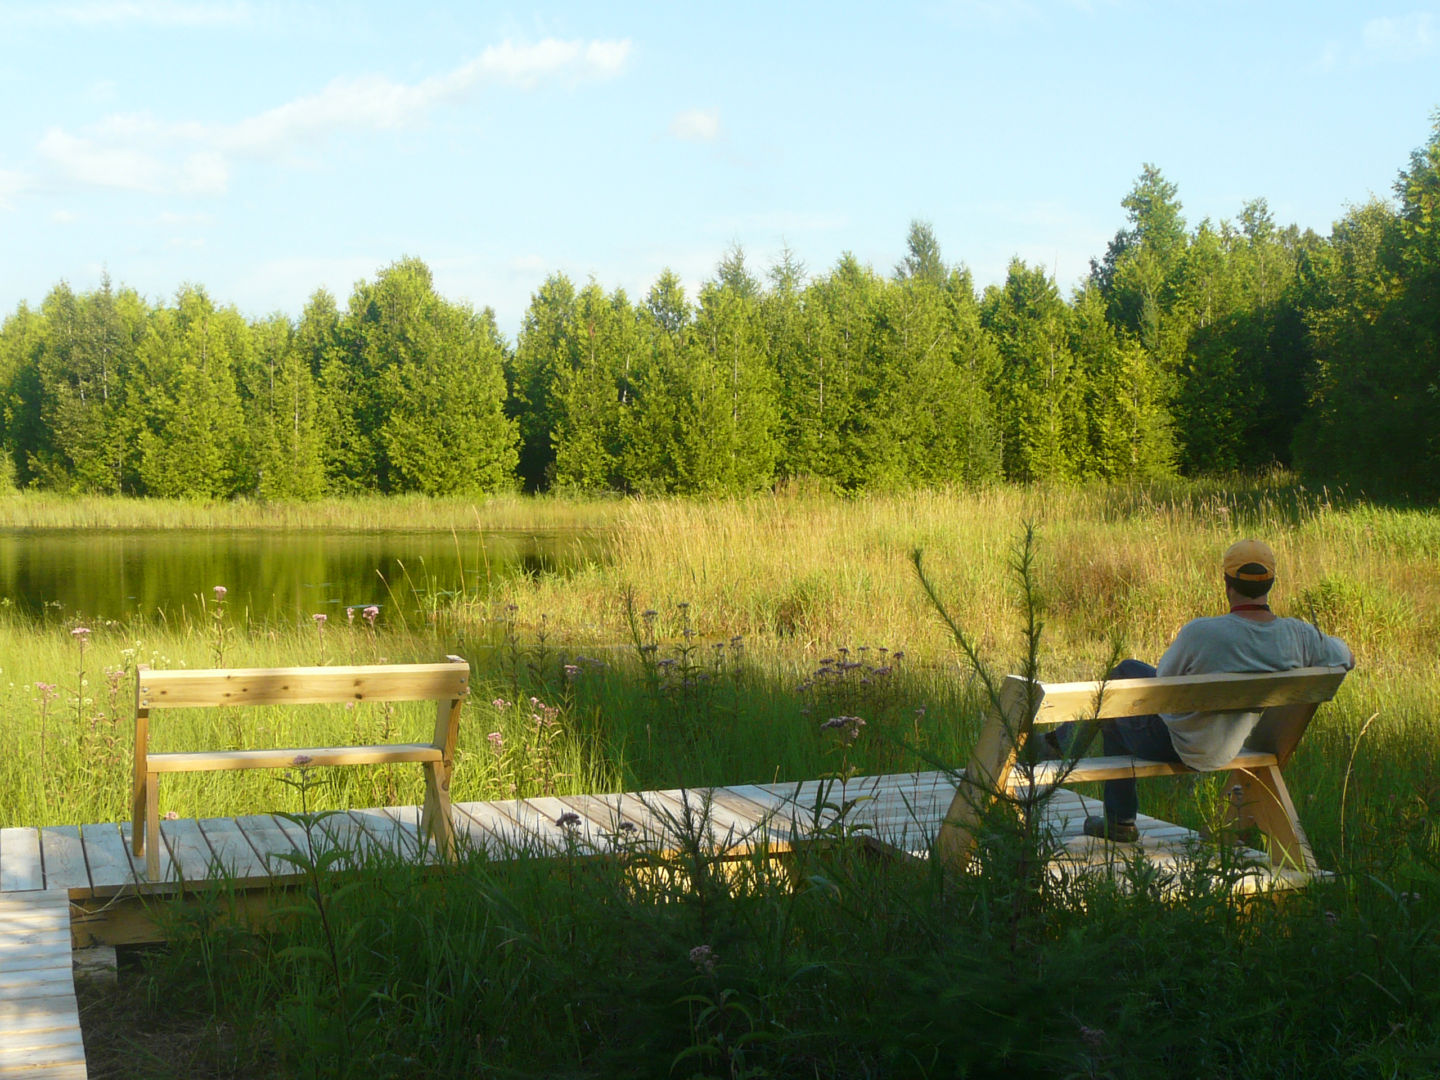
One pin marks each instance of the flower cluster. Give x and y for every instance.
(704, 959)
(847, 727)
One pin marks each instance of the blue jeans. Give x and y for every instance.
(1135, 736)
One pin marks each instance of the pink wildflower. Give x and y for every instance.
(320, 619)
(220, 592)
(371, 613)
(703, 957)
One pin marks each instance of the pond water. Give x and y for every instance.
(274, 575)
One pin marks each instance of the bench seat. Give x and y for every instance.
(1122, 767)
(216, 760)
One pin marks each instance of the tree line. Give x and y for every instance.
(1213, 348)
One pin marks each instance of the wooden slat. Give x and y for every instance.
(64, 858)
(1185, 693)
(1122, 766)
(728, 831)
(385, 832)
(189, 854)
(231, 850)
(46, 1012)
(173, 689)
(20, 866)
(267, 839)
(19, 1056)
(167, 871)
(217, 760)
(106, 858)
(482, 827)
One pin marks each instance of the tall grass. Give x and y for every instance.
(794, 578)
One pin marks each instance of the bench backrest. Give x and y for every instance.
(1286, 699)
(175, 689)
(1059, 702)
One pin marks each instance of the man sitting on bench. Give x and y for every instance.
(1250, 639)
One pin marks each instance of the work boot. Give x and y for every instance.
(1121, 832)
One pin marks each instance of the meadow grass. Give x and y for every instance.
(829, 962)
(793, 578)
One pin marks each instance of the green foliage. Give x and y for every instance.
(1232, 347)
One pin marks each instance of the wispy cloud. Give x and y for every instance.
(138, 151)
(106, 14)
(1396, 39)
(1407, 37)
(64, 217)
(696, 125)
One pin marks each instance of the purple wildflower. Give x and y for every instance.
(703, 957)
(568, 820)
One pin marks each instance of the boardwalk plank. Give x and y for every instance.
(52, 1048)
(64, 858)
(231, 850)
(385, 833)
(268, 839)
(20, 866)
(485, 828)
(108, 861)
(42, 1012)
(45, 982)
(190, 856)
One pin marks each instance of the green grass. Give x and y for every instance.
(833, 964)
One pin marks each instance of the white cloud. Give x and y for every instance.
(526, 65)
(205, 173)
(1407, 37)
(139, 152)
(100, 165)
(696, 125)
(64, 217)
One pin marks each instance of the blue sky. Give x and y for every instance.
(264, 150)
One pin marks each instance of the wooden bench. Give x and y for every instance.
(1286, 700)
(447, 684)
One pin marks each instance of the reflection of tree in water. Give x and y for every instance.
(270, 575)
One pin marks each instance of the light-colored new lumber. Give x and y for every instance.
(219, 760)
(1121, 766)
(174, 689)
(1185, 693)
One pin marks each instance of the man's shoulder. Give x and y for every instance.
(1205, 624)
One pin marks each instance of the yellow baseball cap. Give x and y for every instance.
(1250, 560)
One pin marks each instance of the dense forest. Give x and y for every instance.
(1236, 346)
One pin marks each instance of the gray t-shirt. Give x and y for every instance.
(1232, 643)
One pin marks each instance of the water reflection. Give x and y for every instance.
(124, 574)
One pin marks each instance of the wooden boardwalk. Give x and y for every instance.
(39, 1022)
(80, 885)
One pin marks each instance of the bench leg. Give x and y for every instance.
(988, 772)
(152, 826)
(436, 820)
(138, 802)
(1260, 798)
